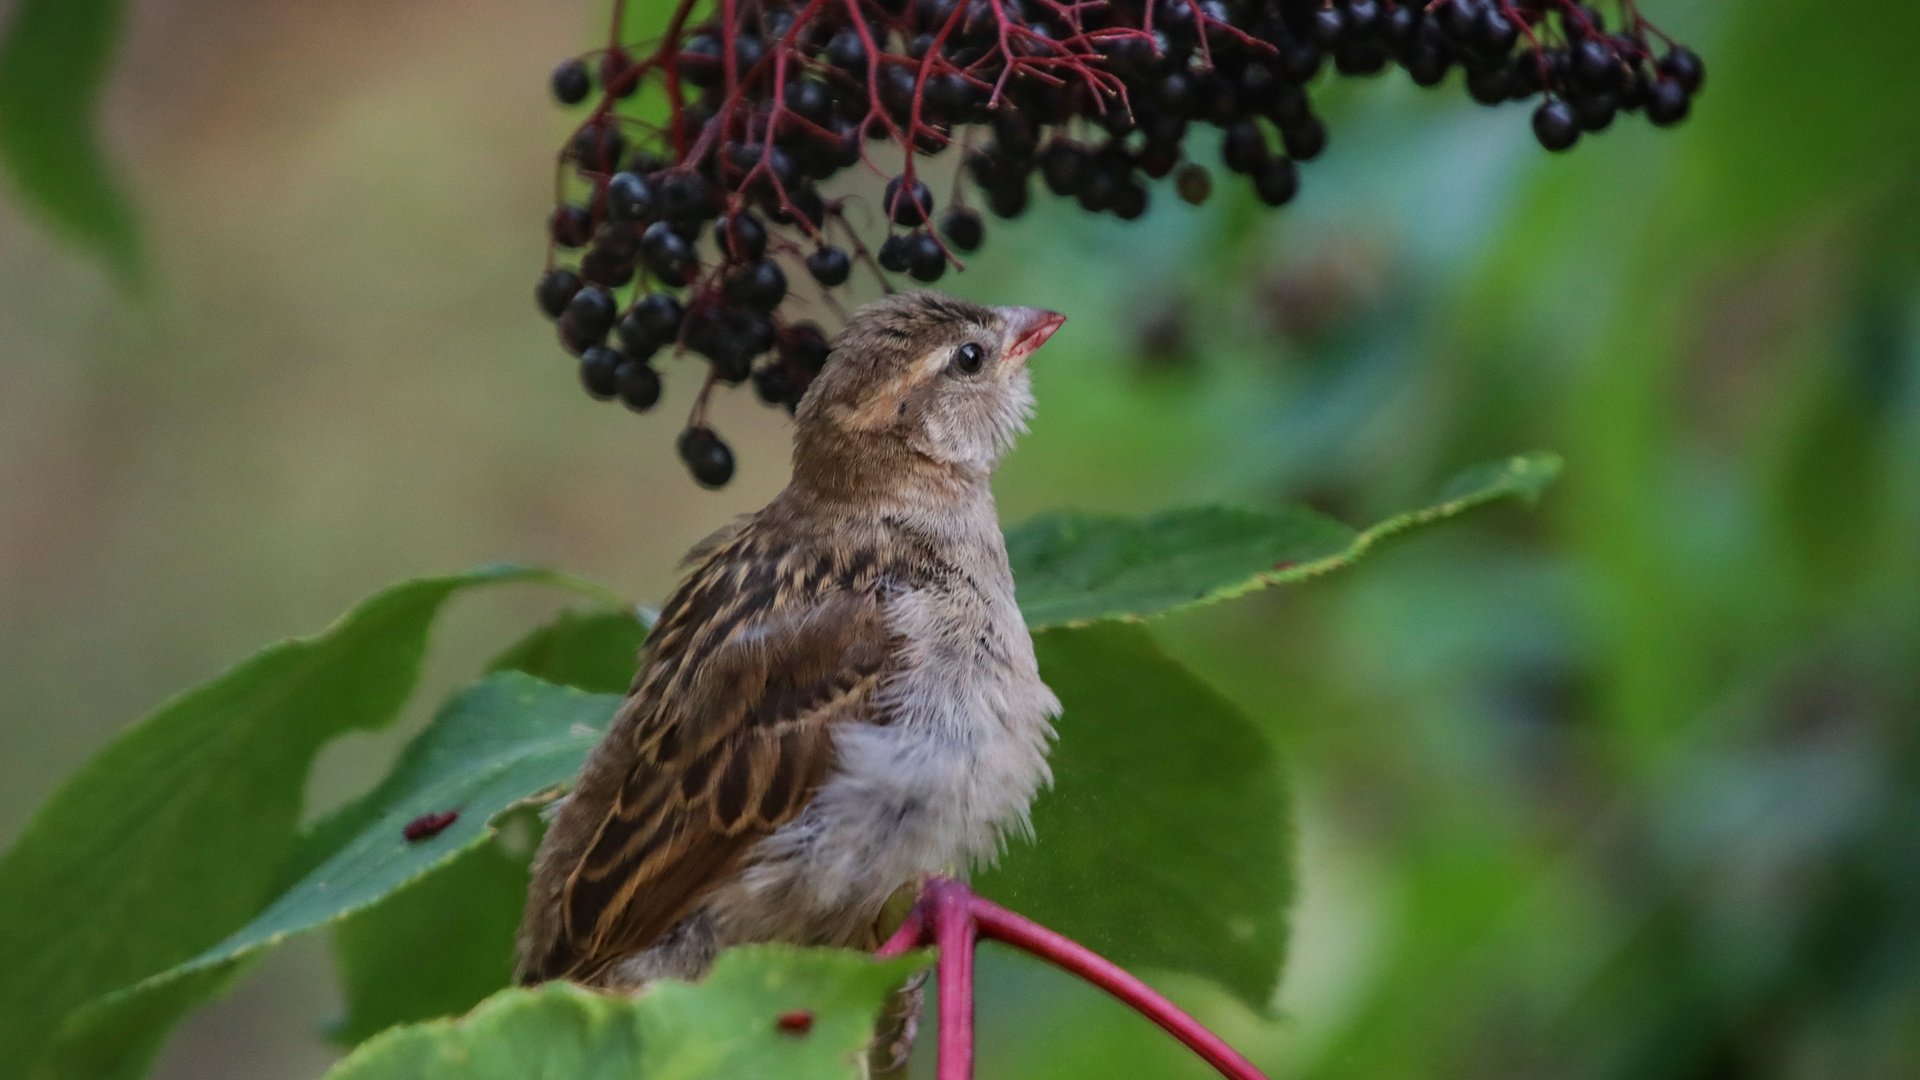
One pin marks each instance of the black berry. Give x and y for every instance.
(1555, 125)
(893, 254)
(760, 283)
(925, 260)
(638, 385)
(1304, 140)
(1009, 201)
(658, 317)
(846, 51)
(1327, 25)
(1494, 33)
(1683, 66)
(570, 225)
(629, 198)
(741, 237)
(598, 146)
(1276, 181)
(805, 347)
(1461, 18)
(1667, 103)
(1064, 166)
(603, 267)
(730, 336)
(963, 228)
(1595, 111)
(571, 82)
(1130, 201)
(599, 372)
(685, 196)
(829, 266)
(1490, 85)
(1427, 61)
(1595, 66)
(775, 385)
(1245, 147)
(706, 457)
(907, 206)
(591, 311)
(665, 252)
(556, 287)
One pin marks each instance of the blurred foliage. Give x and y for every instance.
(1627, 788)
(54, 61)
(1633, 794)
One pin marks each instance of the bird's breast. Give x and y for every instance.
(969, 716)
(949, 764)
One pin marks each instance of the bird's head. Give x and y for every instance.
(923, 376)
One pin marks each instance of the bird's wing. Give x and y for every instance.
(725, 737)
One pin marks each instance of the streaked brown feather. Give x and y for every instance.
(725, 737)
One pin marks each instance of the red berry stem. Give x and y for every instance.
(950, 916)
(954, 931)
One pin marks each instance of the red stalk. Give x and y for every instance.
(950, 916)
(953, 931)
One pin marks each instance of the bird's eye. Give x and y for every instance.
(968, 358)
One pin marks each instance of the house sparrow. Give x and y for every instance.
(840, 698)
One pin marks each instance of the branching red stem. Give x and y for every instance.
(950, 916)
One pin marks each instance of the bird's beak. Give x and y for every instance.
(1028, 328)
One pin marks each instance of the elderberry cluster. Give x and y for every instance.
(688, 214)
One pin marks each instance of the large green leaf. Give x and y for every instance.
(1165, 841)
(727, 1026)
(553, 1031)
(595, 651)
(445, 942)
(175, 835)
(53, 66)
(1074, 568)
(503, 740)
(436, 948)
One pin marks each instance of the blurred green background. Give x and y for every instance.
(1626, 786)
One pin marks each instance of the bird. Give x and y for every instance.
(839, 698)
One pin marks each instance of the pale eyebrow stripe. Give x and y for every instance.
(934, 362)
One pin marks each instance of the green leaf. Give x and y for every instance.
(723, 1026)
(555, 1030)
(436, 948)
(506, 739)
(445, 942)
(176, 834)
(726, 1026)
(1074, 568)
(1165, 841)
(595, 651)
(53, 67)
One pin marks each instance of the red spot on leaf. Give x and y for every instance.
(796, 1022)
(429, 825)
(1285, 564)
